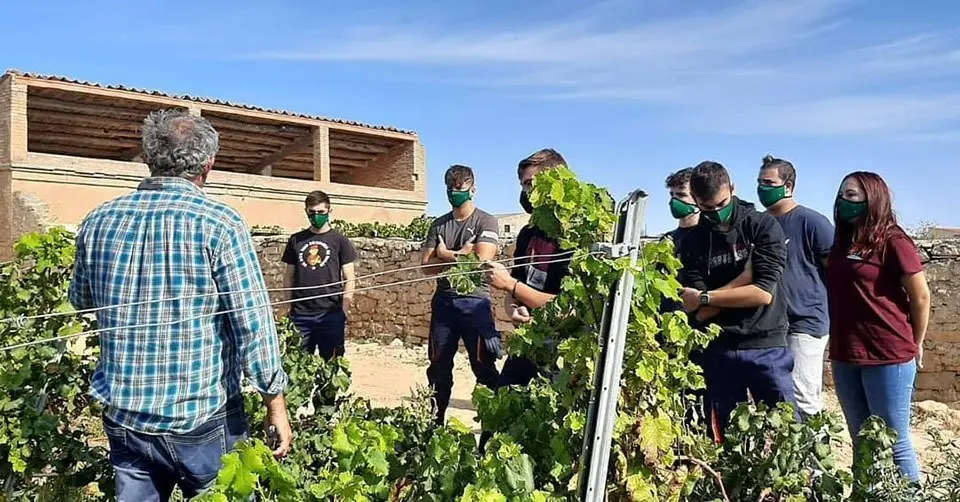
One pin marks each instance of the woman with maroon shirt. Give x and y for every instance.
(879, 307)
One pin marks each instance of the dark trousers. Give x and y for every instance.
(323, 332)
(148, 466)
(731, 373)
(454, 318)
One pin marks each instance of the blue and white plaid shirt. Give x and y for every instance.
(169, 240)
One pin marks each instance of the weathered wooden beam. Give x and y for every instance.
(358, 164)
(74, 150)
(82, 132)
(111, 111)
(357, 147)
(46, 117)
(220, 122)
(270, 140)
(346, 154)
(299, 144)
(69, 139)
(372, 138)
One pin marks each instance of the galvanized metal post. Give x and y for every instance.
(602, 414)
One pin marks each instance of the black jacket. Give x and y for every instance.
(712, 259)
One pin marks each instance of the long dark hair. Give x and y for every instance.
(878, 224)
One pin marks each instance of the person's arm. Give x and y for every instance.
(436, 258)
(914, 282)
(348, 259)
(289, 273)
(529, 297)
(769, 259)
(239, 279)
(488, 239)
(80, 293)
(288, 277)
(919, 293)
(821, 240)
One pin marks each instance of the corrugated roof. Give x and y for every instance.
(198, 99)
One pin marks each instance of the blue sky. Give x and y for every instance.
(628, 91)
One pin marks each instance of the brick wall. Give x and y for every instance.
(393, 169)
(386, 313)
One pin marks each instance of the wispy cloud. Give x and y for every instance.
(778, 67)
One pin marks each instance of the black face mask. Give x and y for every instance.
(525, 203)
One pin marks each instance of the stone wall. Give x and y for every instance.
(404, 311)
(940, 378)
(401, 311)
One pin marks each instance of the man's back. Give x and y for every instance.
(170, 245)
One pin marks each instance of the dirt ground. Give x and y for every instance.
(387, 374)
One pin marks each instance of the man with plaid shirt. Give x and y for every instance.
(170, 367)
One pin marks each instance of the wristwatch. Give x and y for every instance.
(704, 298)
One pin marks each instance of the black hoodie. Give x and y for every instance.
(713, 258)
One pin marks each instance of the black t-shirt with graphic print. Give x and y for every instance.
(539, 261)
(318, 259)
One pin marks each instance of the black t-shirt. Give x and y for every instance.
(480, 226)
(318, 259)
(534, 248)
(678, 234)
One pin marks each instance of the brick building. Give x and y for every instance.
(66, 146)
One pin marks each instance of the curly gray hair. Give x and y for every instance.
(178, 144)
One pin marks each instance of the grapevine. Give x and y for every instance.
(345, 448)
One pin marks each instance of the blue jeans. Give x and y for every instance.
(453, 318)
(148, 466)
(884, 391)
(324, 332)
(731, 373)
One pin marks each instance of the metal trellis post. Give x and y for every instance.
(602, 414)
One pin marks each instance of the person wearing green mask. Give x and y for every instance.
(733, 264)
(320, 261)
(879, 307)
(466, 229)
(682, 206)
(809, 239)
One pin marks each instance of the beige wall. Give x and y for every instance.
(72, 186)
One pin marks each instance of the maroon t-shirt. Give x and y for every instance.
(869, 308)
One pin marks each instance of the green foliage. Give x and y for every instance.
(46, 449)
(464, 275)
(768, 453)
(416, 230)
(347, 450)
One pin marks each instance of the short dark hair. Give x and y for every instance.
(679, 178)
(457, 175)
(708, 178)
(547, 158)
(317, 197)
(784, 168)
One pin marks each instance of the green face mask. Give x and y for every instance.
(680, 209)
(770, 195)
(847, 210)
(318, 220)
(720, 216)
(458, 198)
